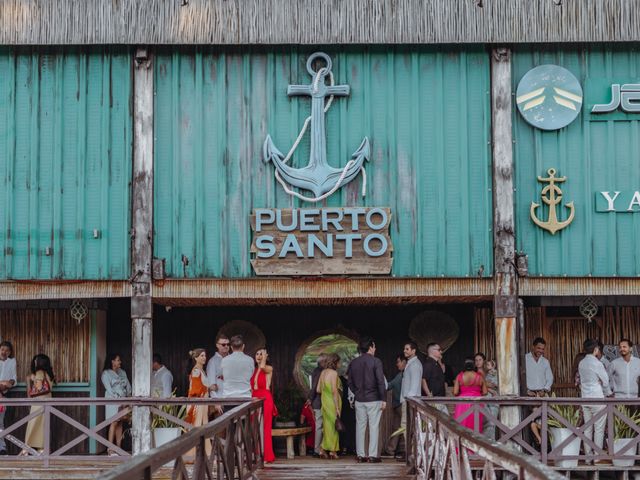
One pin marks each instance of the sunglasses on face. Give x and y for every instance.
(223, 344)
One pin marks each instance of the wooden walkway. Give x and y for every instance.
(282, 469)
(14, 468)
(342, 469)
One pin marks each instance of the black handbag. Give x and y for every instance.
(339, 425)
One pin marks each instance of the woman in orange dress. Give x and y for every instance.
(199, 387)
(261, 388)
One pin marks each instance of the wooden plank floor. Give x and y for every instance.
(15, 468)
(298, 469)
(302, 468)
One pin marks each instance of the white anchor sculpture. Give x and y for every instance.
(318, 176)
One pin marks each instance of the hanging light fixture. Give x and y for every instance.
(589, 309)
(78, 310)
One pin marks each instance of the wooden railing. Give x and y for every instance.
(235, 451)
(550, 414)
(439, 447)
(242, 415)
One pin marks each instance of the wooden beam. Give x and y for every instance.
(142, 245)
(505, 304)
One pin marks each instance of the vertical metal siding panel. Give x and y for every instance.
(162, 191)
(45, 165)
(21, 228)
(56, 179)
(243, 97)
(57, 138)
(6, 88)
(595, 156)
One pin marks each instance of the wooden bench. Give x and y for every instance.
(291, 433)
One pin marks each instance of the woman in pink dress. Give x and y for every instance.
(469, 383)
(261, 388)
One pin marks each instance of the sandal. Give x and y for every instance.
(333, 456)
(23, 453)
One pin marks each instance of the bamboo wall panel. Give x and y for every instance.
(425, 111)
(316, 21)
(564, 336)
(54, 333)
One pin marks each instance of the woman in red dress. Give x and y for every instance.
(261, 388)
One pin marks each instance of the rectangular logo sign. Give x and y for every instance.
(321, 241)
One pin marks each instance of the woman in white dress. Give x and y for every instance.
(116, 385)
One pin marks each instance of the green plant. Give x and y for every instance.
(176, 410)
(622, 429)
(571, 413)
(289, 401)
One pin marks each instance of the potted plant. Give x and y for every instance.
(623, 435)
(559, 433)
(165, 430)
(288, 403)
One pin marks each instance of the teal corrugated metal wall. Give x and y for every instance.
(426, 113)
(65, 164)
(594, 156)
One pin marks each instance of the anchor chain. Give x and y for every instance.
(319, 74)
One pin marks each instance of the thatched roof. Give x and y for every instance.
(228, 22)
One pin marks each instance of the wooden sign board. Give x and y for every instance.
(321, 241)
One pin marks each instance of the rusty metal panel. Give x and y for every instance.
(65, 153)
(594, 156)
(426, 112)
(322, 291)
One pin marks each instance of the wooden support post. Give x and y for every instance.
(505, 304)
(142, 245)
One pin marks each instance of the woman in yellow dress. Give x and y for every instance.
(330, 390)
(39, 385)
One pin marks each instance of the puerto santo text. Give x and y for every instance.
(321, 232)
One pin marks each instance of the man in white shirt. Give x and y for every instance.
(624, 372)
(8, 378)
(538, 370)
(411, 381)
(214, 366)
(594, 383)
(162, 381)
(237, 370)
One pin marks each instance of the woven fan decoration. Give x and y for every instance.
(253, 336)
(433, 326)
(589, 309)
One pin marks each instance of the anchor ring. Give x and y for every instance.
(313, 57)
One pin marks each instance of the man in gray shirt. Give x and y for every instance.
(624, 372)
(237, 369)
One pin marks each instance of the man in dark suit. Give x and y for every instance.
(366, 381)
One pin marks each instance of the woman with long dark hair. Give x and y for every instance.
(469, 383)
(261, 388)
(39, 384)
(116, 385)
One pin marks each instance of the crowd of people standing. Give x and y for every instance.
(230, 373)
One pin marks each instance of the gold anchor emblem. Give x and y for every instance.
(553, 198)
